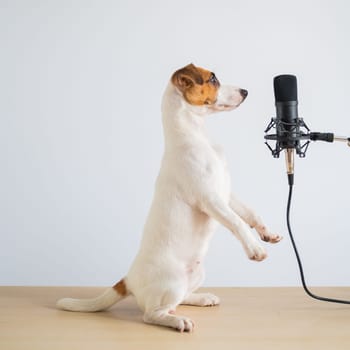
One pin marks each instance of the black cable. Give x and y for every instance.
(308, 292)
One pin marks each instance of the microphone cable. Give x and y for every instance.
(301, 270)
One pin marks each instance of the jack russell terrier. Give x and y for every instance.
(192, 194)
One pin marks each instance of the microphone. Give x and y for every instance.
(288, 130)
(286, 102)
(292, 134)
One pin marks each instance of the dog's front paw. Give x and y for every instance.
(256, 252)
(266, 236)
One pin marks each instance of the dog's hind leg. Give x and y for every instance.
(253, 220)
(198, 299)
(161, 305)
(201, 299)
(165, 316)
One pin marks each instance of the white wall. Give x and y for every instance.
(81, 138)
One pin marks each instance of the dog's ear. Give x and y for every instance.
(187, 77)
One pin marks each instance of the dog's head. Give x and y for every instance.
(200, 87)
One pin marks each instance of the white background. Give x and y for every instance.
(81, 138)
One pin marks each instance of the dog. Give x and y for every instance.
(192, 195)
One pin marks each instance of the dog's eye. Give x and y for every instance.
(213, 79)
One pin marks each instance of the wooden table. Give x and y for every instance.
(248, 318)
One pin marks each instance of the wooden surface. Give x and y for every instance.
(248, 318)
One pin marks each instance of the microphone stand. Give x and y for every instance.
(294, 135)
(342, 139)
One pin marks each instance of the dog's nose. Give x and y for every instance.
(244, 93)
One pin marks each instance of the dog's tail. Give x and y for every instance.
(108, 298)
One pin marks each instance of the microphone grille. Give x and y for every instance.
(285, 87)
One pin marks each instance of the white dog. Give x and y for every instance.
(192, 194)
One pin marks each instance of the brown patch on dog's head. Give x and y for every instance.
(198, 86)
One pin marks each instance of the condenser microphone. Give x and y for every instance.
(287, 126)
(292, 134)
(286, 102)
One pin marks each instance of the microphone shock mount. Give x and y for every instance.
(296, 135)
(288, 135)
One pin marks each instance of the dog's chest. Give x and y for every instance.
(217, 169)
(196, 170)
(206, 166)
(220, 155)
